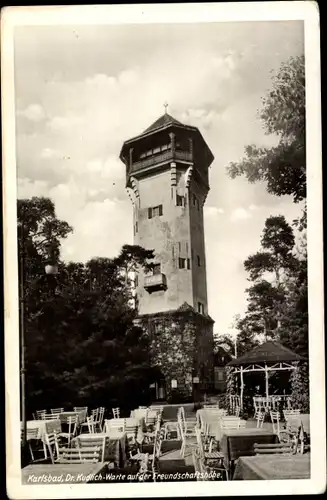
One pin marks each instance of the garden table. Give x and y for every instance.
(239, 442)
(44, 427)
(64, 473)
(116, 446)
(269, 467)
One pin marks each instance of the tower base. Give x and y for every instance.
(181, 344)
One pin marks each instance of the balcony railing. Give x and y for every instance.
(160, 158)
(155, 282)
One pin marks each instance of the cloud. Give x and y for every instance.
(33, 112)
(212, 211)
(64, 123)
(48, 153)
(239, 214)
(253, 207)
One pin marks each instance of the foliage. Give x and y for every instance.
(82, 346)
(283, 167)
(226, 342)
(300, 387)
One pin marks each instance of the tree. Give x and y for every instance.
(81, 343)
(226, 342)
(283, 167)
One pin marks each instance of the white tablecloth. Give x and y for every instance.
(44, 427)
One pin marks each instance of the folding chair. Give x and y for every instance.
(31, 434)
(40, 414)
(275, 416)
(230, 422)
(72, 422)
(92, 440)
(53, 443)
(98, 419)
(52, 416)
(216, 456)
(116, 412)
(260, 419)
(56, 411)
(79, 455)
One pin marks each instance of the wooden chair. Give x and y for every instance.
(79, 455)
(260, 419)
(72, 422)
(52, 416)
(81, 408)
(230, 422)
(198, 464)
(116, 412)
(211, 456)
(88, 425)
(40, 414)
(149, 436)
(56, 411)
(265, 449)
(188, 426)
(275, 417)
(52, 441)
(92, 440)
(31, 435)
(98, 421)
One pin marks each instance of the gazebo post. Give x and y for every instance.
(242, 386)
(267, 382)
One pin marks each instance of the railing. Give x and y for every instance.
(159, 158)
(155, 281)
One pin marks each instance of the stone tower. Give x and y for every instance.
(167, 182)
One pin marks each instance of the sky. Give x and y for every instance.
(81, 91)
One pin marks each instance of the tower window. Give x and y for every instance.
(180, 200)
(136, 280)
(200, 308)
(179, 246)
(194, 200)
(199, 260)
(136, 227)
(156, 269)
(155, 211)
(184, 263)
(181, 263)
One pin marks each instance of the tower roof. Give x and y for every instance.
(164, 120)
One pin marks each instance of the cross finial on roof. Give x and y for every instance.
(166, 106)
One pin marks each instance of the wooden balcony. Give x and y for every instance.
(155, 282)
(161, 158)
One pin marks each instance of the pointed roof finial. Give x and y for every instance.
(166, 106)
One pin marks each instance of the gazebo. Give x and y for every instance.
(268, 357)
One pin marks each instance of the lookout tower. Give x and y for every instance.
(167, 182)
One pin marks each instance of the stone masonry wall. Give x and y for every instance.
(181, 348)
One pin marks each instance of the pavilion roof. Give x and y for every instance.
(269, 352)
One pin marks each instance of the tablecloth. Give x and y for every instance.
(116, 446)
(212, 420)
(238, 443)
(44, 427)
(265, 467)
(294, 422)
